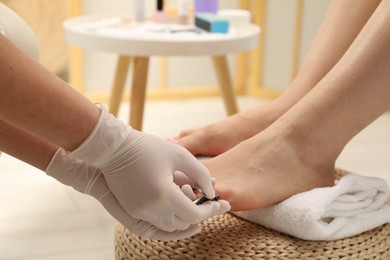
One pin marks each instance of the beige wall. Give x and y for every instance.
(184, 72)
(279, 35)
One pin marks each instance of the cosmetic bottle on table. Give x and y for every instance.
(139, 11)
(159, 16)
(183, 11)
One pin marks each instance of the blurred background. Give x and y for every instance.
(287, 31)
(42, 219)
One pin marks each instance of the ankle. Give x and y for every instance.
(260, 117)
(311, 149)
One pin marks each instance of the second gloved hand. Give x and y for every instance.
(88, 179)
(140, 170)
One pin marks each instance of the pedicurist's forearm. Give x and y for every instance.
(36, 100)
(25, 147)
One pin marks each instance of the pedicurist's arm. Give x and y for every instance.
(25, 146)
(141, 170)
(36, 100)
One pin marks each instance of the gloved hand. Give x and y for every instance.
(143, 171)
(89, 180)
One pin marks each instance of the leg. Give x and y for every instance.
(343, 22)
(119, 83)
(298, 151)
(225, 83)
(138, 91)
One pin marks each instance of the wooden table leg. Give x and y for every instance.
(138, 91)
(122, 68)
(225, 83)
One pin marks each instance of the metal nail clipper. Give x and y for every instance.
(203, 199)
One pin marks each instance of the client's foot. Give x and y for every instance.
(267, 169)
(218, 137)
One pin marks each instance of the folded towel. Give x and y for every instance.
(354, 205)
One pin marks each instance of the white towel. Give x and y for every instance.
(354, 205)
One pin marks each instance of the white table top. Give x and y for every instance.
(116, 33)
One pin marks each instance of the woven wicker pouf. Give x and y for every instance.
(230, 237)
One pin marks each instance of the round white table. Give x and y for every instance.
(138, 42)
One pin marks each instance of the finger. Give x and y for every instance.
(224, 207)
(176, 235)
(180, 179)
(198, 173)
(206, 210)
(136, 226)
(163, 221)
(219, 207)
(166, 220)
(140, 227)
(186, 209)
(172, 222)
(188, 191)
(202, 158)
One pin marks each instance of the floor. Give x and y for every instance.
(42, 219)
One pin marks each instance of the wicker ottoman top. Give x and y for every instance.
(230, 237)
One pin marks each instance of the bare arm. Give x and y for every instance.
(34, 99)
(25, 146)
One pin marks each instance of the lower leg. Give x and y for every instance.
(298, 151)
(343, 22)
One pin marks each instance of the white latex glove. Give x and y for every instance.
(141, 170)
(89, 180)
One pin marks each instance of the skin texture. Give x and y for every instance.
(336, 94)
(37, 101)
(343, 21)
(36, 105)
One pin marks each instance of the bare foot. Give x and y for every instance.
(267, 169)
(218, 137)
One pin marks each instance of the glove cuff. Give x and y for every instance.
(108, 134)
(59, 168)
(77, 174)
